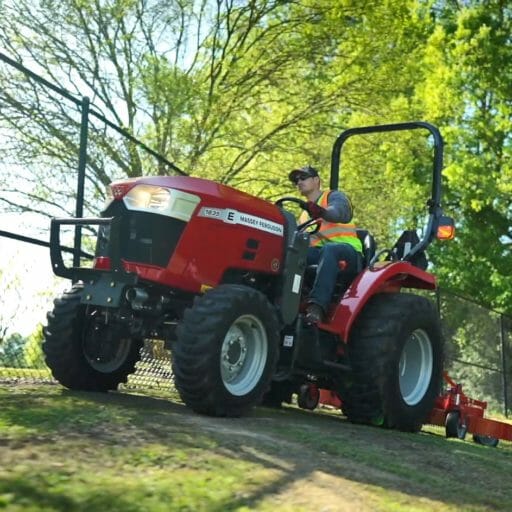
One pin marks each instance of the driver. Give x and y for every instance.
(335, 240)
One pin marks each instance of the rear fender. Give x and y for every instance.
(384, 277)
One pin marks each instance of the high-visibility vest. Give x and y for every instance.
(332, 231)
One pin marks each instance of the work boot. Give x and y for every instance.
(314, 313)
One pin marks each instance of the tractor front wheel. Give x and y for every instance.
(83, 349)
(226, 351)
(396, 354)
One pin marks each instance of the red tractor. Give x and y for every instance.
(221, 277)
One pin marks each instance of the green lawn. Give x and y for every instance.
(71, 451)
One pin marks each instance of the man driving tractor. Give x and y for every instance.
(336, 239)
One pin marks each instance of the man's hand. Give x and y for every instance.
(314, 210)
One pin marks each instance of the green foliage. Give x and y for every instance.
(12, 351)
(467, 90)
(33, 352)
(239, 93)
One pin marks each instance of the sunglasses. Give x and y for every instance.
(301, 178)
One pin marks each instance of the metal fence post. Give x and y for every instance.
(504, 366)
(82, 164)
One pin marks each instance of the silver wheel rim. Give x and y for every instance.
(415, 367)
(243, 355)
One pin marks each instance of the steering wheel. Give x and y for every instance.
(290, 199)
(303, 205)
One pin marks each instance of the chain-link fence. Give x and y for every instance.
(22, 362)
(478, 349)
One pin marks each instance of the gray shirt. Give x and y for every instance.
(338, 208)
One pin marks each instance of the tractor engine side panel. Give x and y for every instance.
(209, 247)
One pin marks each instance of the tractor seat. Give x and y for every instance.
(369, 247)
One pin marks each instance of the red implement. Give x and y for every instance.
(460, 414)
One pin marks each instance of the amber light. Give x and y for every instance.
(445, 229)
(446, 232)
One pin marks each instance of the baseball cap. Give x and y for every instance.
(304, 172)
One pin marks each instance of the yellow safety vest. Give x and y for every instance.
(332, 231)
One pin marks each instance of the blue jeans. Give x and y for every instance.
(327, 258)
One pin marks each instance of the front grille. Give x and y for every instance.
(145, 237)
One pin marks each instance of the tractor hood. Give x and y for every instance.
(189, 232)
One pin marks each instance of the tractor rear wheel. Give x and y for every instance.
(83, 351)
(396, 354)
(226, 351)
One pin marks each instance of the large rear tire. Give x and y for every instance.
(396, 353)
(82, 350)
(226, 351)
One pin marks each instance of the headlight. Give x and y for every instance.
(161, 200)
(143, 197)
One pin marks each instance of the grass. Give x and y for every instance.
(72, 451)
(20, 373)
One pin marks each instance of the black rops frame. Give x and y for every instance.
(434, 203)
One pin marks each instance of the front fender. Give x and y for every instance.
(384, 277)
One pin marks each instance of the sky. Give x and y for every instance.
(27, 282)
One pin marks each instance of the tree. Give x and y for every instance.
(12, 351)
(230, 90)
(468, 90)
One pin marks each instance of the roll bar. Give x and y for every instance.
(434, 203)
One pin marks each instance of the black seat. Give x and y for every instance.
(369, 247)
(403, 246)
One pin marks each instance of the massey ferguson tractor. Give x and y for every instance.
(221, 277)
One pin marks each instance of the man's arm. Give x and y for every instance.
(338, 208)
